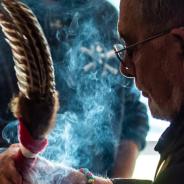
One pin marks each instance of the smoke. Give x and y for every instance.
(46, 172)
(88, 124)
(9, 133)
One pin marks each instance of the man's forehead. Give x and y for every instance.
(124, 18)
(128, 21)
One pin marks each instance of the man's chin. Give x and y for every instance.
(157, 112)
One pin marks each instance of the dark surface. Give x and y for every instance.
(130, 181)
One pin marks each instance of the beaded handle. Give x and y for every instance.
(89, 175)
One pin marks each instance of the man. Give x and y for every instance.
(157, 66)
(82, 21)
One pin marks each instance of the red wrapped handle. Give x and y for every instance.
(29, 148)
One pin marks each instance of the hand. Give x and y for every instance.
(8, 172)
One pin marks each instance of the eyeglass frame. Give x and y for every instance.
(157, 35)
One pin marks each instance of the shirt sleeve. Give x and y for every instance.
(135, 122)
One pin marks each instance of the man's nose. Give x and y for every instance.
(128, 70)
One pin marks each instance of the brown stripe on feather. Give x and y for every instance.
(30, 47)
(22, 22)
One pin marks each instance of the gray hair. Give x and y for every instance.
(160, 15)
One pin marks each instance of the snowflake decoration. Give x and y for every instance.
(99, 57)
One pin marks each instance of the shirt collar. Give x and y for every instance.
(172, 138)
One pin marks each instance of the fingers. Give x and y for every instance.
(13, 149)
(13, 175)
(9, 176)
(8, 171)
(10, 152)
(5, 180)
(14, 146)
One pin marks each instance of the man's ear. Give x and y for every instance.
(179, 34)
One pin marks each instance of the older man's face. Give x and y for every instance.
(156, 65)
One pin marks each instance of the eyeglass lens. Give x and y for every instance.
(120, 51)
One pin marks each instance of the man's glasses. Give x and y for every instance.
(121, 49)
